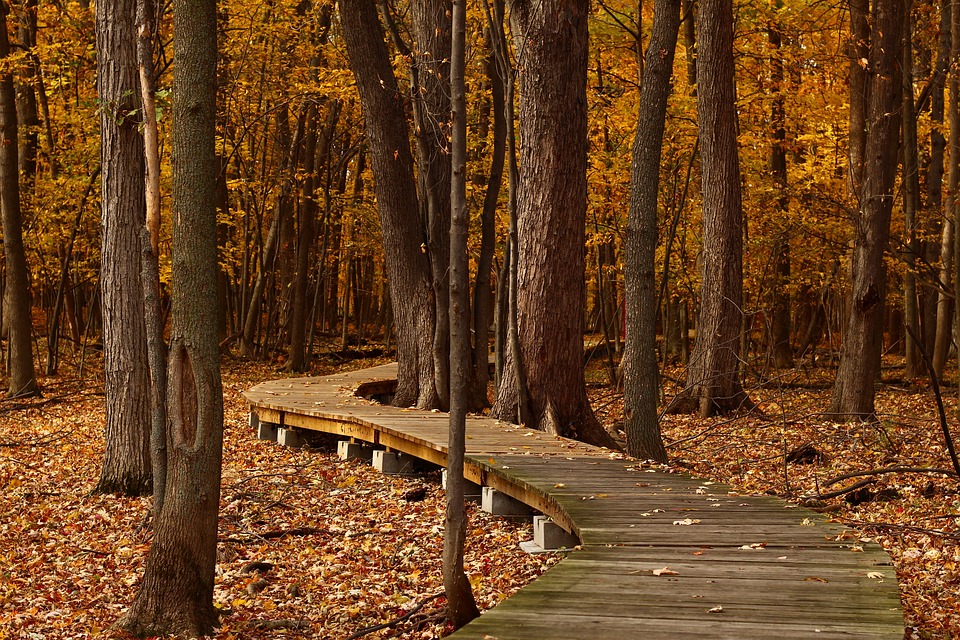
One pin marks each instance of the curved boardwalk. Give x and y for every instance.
(737, 566)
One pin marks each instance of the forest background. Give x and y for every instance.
(299, 242)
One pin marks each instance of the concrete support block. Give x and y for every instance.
(500, 504)
(392, 462)
(267, 431)
(471, 490)
(549, 536)
(348, 450)
(386, 461)
(290, 437)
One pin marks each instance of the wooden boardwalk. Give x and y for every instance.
(736, 566)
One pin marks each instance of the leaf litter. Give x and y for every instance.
(310, 546)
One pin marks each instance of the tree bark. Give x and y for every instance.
(126, 464)
(713, 376)
(938, 143)
(461, 606)
(23, 379)
(27, 111)
(911, 207)
(853, 391)
(432, 28)
(946, 301)
(780, 325)
(176, 594)
(405, 245)
(639, 365)
(483, 292)
(551, 222)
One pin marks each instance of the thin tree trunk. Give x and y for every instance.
(461, 606)
(911, 206)
(53, 332)
(308, 212)
(780, 318)
(639, 365)
(23, 379)
(482, 292)
(945, 304)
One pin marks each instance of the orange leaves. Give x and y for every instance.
(355, 552)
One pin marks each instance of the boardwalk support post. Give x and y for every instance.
(498, 503)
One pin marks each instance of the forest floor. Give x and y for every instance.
(315, 547)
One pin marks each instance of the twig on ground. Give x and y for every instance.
(273, 535)
(273, 625)
(32, 405)
(395, 621)
(840, 492)
(901, 527)
(886, 470)
(939, 398)
(14, 444)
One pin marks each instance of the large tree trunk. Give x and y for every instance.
(404, 243)
(713, 377)
(126, 463)
(23, 379)
(639, 366)
(853, 391)
(432, 29)
(552, 222)
(176, 594)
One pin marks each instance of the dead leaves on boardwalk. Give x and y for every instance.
(310, 546)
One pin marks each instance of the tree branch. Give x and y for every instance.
(395, 621)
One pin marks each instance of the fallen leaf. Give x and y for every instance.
(666, 571)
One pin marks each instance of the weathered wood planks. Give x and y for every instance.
(774, 570)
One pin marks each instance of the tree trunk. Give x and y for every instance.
(938, 143)
(639, 365)
(945, 304)
(780, 303)
(432, 28)
(23, 379)
(461, 606)
(176, 594)
(859, 50)
(126, 464)
(853, 391)
(911, 207)
(297, 358)
(551, 225)
(482, 292)
(404, 243)
(713, 377)
(27, 111)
